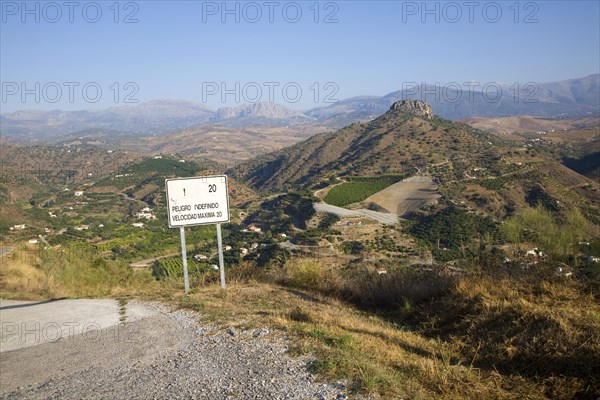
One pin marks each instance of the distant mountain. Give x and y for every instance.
(261, 113)
(347, 111)
(146, 119)
(569, 98)
(149, 118)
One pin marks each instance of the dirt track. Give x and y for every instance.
(406, 196)
(384, 218)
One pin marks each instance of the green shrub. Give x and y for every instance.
(305, 274)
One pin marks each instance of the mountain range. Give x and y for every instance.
(153, 117)
(569, 98)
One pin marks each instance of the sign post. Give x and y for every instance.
(198, 201)
(186, 281)
(221, 263)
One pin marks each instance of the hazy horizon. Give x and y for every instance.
(88, 55)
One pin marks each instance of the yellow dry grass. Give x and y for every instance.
(32, 274)
(518, 335)
(447, 356)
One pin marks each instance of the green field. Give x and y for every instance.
(173, 268)
(359, 188)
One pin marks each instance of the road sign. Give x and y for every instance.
(197, 201)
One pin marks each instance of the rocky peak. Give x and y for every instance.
(417, 107)
(256, 110)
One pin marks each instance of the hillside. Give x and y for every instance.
(516, 126)
(493, 175)
(401, 141)
(574, 142)
(447, 303)
(226, 144)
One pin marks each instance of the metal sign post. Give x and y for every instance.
(198, 201)
(186, 281)
(221, 263)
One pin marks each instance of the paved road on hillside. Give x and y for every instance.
(102, 349)
(384, 218)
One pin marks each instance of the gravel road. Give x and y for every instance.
(384, 218)
(155, 353)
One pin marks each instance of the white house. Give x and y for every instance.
(138, 224)
(535, 252)
(146, 215)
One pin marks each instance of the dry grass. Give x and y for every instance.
(519, 335)
(503, 335)
(31, 274)
(372, 354)
(539, 332)
(19, 278)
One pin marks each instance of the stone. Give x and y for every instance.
(417, 107)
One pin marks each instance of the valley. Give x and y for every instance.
(391, 217)
(324, 200)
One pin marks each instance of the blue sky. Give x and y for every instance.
(90, 55)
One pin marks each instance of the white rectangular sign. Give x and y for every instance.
(197, 201)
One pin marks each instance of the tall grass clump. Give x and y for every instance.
(56, 274)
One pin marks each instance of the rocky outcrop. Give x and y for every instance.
(416, 107)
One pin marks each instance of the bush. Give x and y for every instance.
(399, 289)
(353, 247)
(305, 274)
